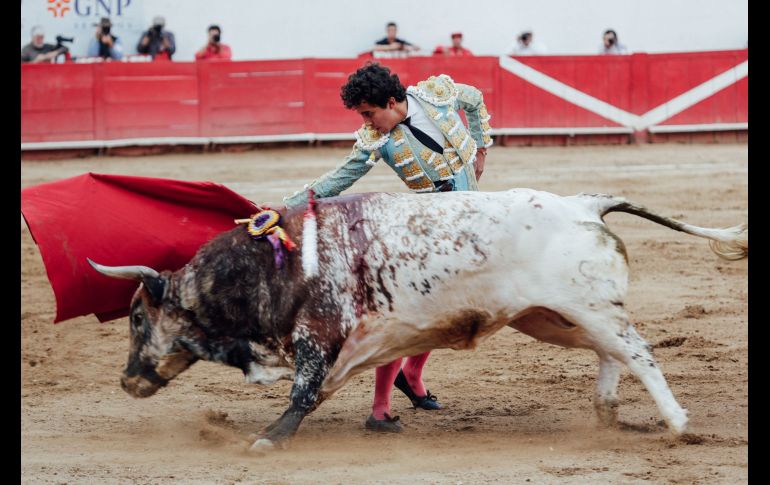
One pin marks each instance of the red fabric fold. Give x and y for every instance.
(119, 220)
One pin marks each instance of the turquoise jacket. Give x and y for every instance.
(418, 166)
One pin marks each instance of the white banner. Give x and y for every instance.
(76, 18)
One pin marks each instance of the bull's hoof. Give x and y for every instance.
(677, 424)
(262, 446)
(607, 412)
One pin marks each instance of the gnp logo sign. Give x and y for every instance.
(101, 8)
(77, 18)
(83, 8)
(59, 7)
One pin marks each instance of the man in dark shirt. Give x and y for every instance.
(157, 42)
(37, 50)
(392, 46)
(105, 44)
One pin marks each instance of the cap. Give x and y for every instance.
(37, 30)
(457, 34)
(158, 20)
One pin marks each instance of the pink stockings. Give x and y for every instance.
(385, 376)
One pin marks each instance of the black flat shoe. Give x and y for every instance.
(428, 401)
(387, 425)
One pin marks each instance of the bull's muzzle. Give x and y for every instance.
(146, 380)
(141, 386)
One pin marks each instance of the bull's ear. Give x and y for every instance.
(155, 286)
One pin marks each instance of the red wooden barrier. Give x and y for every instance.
(607, 78)
(299, 99)
(145, 100)
(57, 102)
(251, 98)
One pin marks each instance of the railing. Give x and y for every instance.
(154, 103)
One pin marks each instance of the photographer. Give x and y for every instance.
(38, 51)
(526, 46)
(157, 42)
(391, 45)
(105, 44)
(215, 49)
(611, 45)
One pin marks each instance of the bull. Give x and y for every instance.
(401, 274)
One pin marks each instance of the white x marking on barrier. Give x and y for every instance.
(606, 110)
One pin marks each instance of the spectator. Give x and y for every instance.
(456, 49)
(392, 46)
(37, 50)
(105, 44)
(525, 45)
(215, 49)
(611, 44)
(157, 42)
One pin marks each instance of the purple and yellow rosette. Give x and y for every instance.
(264, 224)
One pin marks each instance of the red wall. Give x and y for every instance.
(115, 101)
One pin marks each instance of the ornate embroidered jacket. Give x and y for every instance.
(418, 166)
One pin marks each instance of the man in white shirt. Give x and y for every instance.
(611, 45)
(525, 45)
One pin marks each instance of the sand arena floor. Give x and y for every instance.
(516, 410)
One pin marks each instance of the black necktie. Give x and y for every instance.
(424, 138)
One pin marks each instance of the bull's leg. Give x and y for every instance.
(312, 365)
(629, 348)
(606, 396)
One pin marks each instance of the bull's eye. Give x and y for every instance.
(136, 320)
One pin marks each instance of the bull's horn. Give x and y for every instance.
(125, 272)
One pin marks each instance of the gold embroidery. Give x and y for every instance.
(446, 125)
(469, 150)
(436, 90)
(425, 155)
(369, 135)
(369, 139)
(412, 169)
(422, 184)
(456, 163)
(400, 157)
(437, 162)
(432, 112)
(443, 170)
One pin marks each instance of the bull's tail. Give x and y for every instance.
(731, 243)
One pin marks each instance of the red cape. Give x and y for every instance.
(117, 220)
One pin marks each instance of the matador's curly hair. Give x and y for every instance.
(372, 84)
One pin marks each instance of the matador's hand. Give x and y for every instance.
(478, 165)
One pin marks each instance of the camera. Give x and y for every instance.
(216, 37)
(60, 40)
(611, 41)
(105, 30)
(155, 30)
